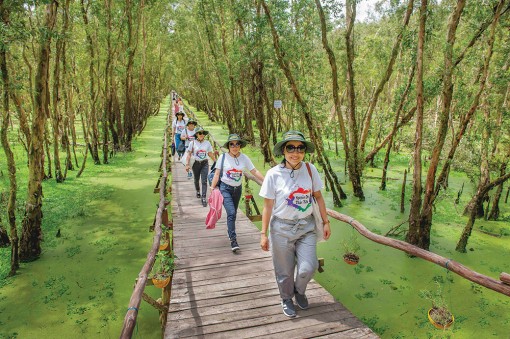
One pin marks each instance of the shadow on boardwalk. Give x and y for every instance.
(219, 294)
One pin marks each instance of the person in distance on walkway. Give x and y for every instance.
(287, 191)
(200, 149)
(230, 183)
(178, 126)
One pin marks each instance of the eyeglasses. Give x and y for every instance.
(234, 144)
(292, 148)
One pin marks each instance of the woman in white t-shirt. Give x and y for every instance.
(201, 150)
(287, 190)
(230, 183)
(178, 126)
(188, 135)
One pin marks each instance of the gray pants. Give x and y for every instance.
(293, 246)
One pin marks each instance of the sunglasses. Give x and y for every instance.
(234, 144)
(292, 148)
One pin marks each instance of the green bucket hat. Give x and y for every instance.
(201, 130)
(292, 136)
(191, 121)
(235, 137)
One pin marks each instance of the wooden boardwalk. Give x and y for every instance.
(219, 294)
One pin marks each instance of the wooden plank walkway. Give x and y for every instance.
(219, 294)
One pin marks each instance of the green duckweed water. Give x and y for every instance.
(81, 285)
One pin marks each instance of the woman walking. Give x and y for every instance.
(200, 149)
(188, 135)
(287, 191)
(230, 183)
(178, 126)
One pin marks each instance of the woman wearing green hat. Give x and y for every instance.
(178, 126)
(287, 191)
(230, 183)
(188, 135)
(200, 149)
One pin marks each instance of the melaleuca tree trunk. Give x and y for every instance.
(31, 236)
(11, 164)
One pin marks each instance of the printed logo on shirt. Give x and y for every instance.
(234, 174)
(179, 129)
(191, 137)
(201, 154)
(300, 199)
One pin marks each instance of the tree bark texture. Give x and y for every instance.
(9, 155)
(353, 156)
(30, 244)
(413, 235)
(442, 129)
(94, 135)
(477, 200)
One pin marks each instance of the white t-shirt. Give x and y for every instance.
(179, 126)
(200, 149)
(291, 195)
(189, 135)
(232, 172)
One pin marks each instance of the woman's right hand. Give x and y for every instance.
(264, 242)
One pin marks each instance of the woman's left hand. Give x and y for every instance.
(264, 243)
(327, 231)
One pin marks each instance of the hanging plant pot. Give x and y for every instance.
(351, 258)
(161, 282)
(441, 318)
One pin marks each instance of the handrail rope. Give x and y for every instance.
(448, 263)
(136, 296)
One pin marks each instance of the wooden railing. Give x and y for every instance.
(502, 286)
(141, 281)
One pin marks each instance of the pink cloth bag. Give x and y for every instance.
(215, 206)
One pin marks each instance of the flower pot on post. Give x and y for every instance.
(351, 258)
(351, 249)
(441, 318)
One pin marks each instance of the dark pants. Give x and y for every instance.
(200, 171)
(231, 197)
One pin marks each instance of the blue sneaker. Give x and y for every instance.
(234, 245)
(288, 308)
(301, 300)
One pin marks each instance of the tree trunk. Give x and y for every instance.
(476, 201)
(57, 117)
(258, 95)
(66, 142)
(494, 213)
(425, 222)
(9, 156)
(31, 236)
(394, 129)
(94, 135)
(413, 235)
(403, 193)
(353, 155)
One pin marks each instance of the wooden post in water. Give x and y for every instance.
(403, 193)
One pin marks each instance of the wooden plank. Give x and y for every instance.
(219, 294)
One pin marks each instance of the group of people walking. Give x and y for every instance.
(288, 226)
